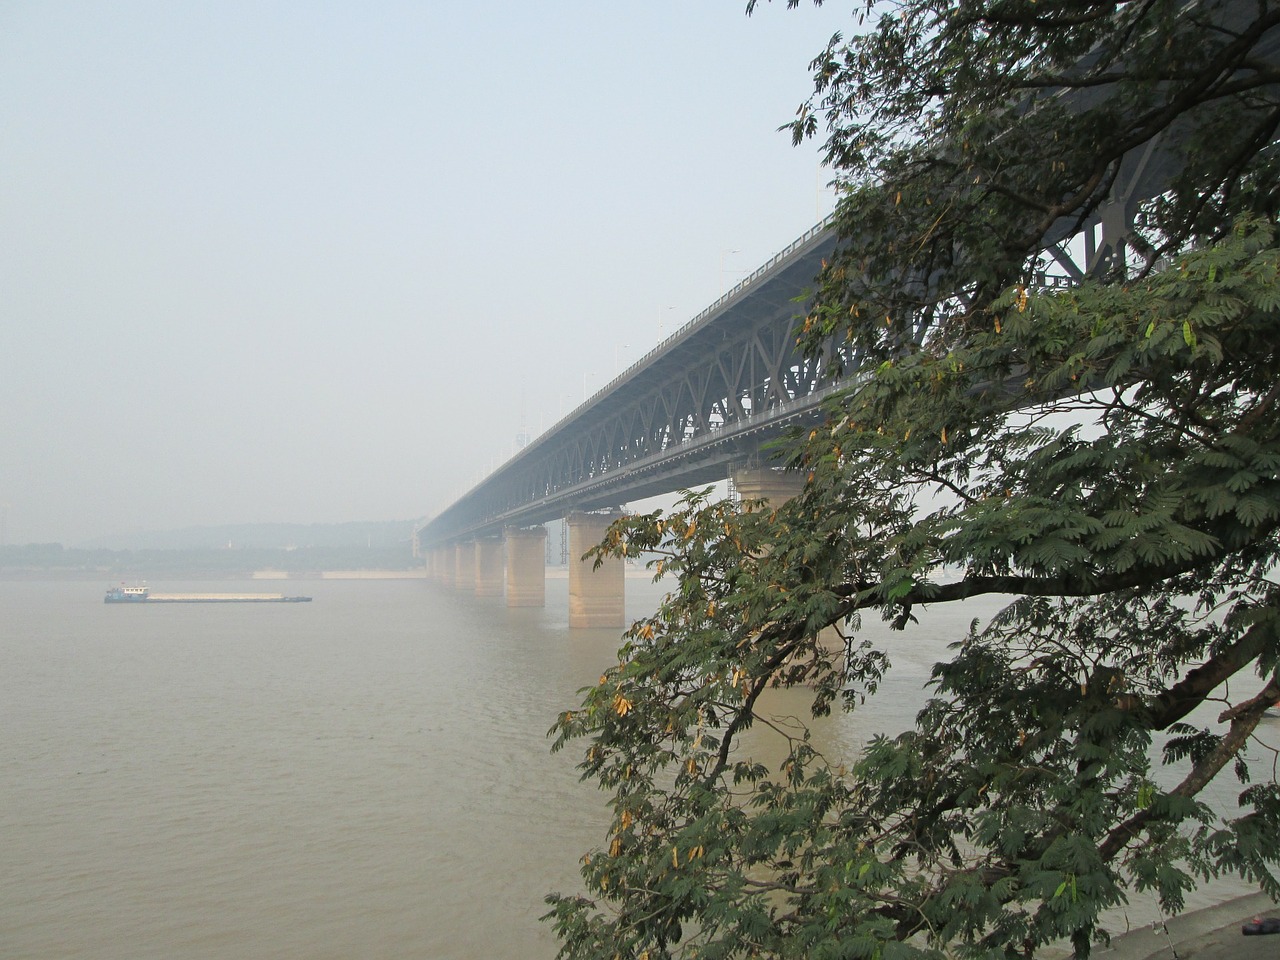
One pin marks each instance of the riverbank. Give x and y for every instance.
(1212, 933)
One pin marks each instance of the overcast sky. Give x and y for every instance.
(316, 262)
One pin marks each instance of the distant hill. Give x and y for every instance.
(356, 535)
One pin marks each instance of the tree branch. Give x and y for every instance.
(1244, 720)
(1183, 697)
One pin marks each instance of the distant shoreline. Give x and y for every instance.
(17, 574)
(415, 574)
(94, 576)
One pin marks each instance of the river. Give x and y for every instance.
(364, 776)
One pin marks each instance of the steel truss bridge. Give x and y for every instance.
(713, 395)
(716, 393)
(708, 397)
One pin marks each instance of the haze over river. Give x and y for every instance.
(364, 776)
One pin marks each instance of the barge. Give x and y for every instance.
(123, 594)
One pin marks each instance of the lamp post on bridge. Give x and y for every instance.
(660, 309)
(723, 254)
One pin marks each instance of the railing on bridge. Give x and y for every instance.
(708, 312)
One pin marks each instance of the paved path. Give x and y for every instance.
(1209, 934)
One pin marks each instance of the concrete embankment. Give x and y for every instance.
(1213, 933)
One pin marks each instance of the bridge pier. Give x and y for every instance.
(464, 566)
(488, 567)
(597, 597)
(443, 565)
(775, 487)
(526, 566)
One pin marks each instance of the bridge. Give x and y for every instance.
(703, 406)
(709, 396)
(704, 402)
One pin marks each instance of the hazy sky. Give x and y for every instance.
(314, 262)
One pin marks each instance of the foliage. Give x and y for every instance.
(1105, 454)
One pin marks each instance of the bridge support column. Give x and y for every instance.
(596, 597)
(464, 566)
(764, 483)
(488, 567)
(445, 566)
(526, 566)
(775, 488)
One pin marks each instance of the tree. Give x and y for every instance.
(1103, 450)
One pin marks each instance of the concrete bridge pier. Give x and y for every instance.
(443, 564)
(488, 567)
(464, 566)
(596, 597)
(775, 487)
(526, 566)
